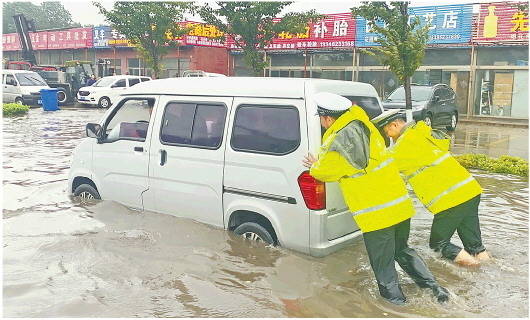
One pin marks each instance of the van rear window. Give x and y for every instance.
(369, 104)
(266, 129)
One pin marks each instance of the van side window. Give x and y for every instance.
(266, 129)
(145, 79)
(131, 121)
(133, 81)
(10, 80)
(200, 125)
(368, 104)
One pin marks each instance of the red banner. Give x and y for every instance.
(10, 42)
(76, 38)
(334, 31)
(501, 22)
(70, 39)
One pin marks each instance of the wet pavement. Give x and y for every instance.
(67, 259)
(494, 141)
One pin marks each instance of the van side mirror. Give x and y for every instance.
(93, 130)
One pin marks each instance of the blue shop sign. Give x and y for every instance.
(102, 34)
(449, 24)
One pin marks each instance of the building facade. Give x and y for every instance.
(480, 50)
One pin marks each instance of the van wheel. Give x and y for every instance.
(86, 192)
(61, 96)
(428, 119)
(19, 100)
(104, 102)
(253, 231)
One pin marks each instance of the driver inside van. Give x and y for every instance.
(353, 154)
(140, 110)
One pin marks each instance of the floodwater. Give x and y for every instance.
(66, 259)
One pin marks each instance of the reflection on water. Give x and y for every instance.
(494, 141)
(66, 259)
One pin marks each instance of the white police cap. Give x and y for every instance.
(330, 103)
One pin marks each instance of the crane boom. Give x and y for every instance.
(23, 27)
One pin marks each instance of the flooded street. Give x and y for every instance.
(66, 259)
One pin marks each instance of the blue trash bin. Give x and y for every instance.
(49, 99)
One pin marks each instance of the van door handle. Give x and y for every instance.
(163, 157)
(139, 149)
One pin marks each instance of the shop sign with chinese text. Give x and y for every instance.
(501, 22)
(76, 38)
(334, 31)
(447, 24)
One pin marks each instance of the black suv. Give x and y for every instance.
(435, 104)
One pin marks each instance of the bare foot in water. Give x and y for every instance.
(483, 256)
(465, 259)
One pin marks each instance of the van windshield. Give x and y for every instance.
(30, 79)
(104, 82)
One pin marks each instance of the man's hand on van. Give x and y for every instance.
(309, 160)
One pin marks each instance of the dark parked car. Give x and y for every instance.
(435, 104)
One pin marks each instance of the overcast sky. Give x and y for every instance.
(85, 13)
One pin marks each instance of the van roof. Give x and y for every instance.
(249, 87)
(16, 71)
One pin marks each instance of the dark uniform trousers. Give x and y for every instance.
(462, 218)
(389, 244)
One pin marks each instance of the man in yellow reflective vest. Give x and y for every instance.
(353, 153)
(446, 188)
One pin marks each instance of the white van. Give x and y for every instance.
(22, 86)
(106, 90)
(224, 151)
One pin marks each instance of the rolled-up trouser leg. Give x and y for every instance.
(469, 229)
(380, 246)
(409, 260)
(443, 227)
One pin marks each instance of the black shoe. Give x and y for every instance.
(392, 292)
(440, 293)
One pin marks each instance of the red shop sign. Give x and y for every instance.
(11, 42)
(70, 39)
(501, 22)
(334, 31)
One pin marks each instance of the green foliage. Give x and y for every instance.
(14, 109)
(252, 25)
(402, 43)
(147, 25)
(48, 15)
(503, 164)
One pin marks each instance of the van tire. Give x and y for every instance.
(18, 100)
(104, 102)
(254, 231)
(86, 192)
(62, 97)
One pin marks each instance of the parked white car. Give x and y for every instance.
(200, 73)
(223, 151)
(22, 86)
(106, 90)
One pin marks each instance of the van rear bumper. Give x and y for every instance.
(319, 244)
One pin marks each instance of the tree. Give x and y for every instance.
(252, 25)
(149, 26)
(48, 15)
(402, 42)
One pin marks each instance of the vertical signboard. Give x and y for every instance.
(447, 24)
(501, 22)
(101, 36)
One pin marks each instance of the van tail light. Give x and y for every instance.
(313, 191)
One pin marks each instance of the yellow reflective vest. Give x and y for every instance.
(438, 180)
(376, 195)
